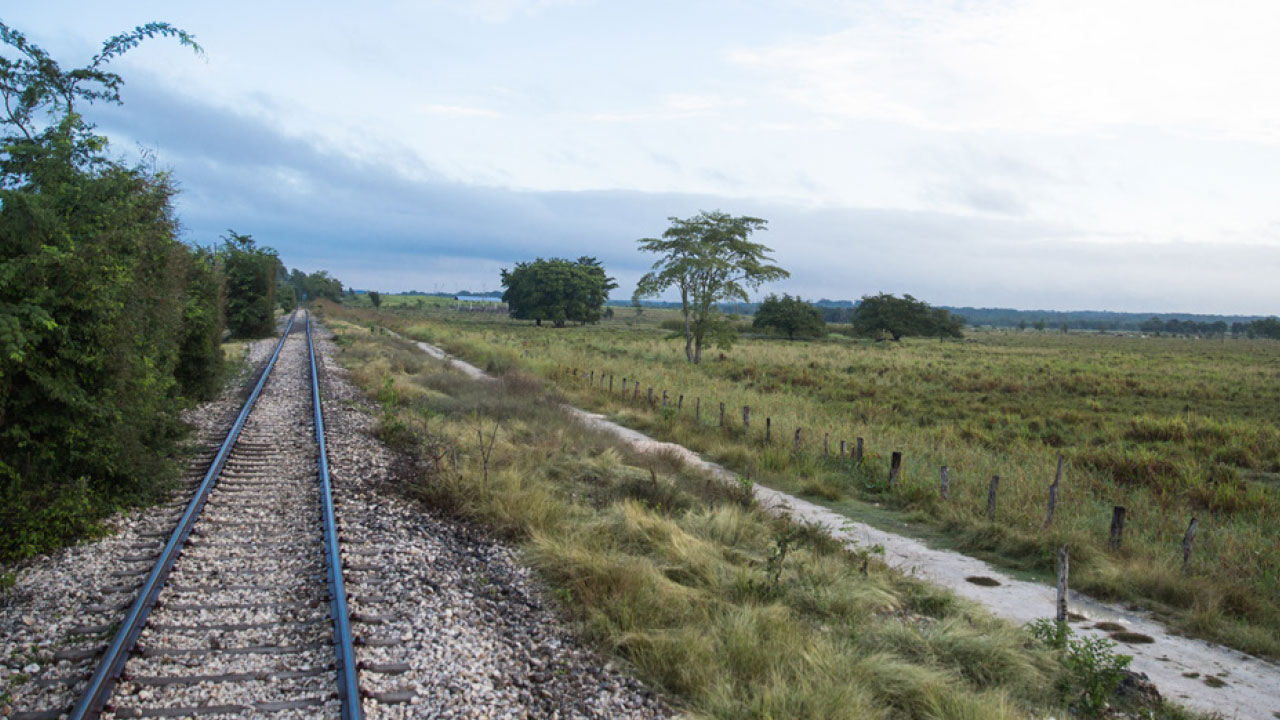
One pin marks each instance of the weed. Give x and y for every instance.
(1094, 670)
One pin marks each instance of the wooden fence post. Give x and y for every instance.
(635, 391)
(624, 387)
(746, 416)
(664, 398)
(610, 383)
(721, 414)
(796, 442)
(768, 430)
(1053, 494)
(858, 459)
(946, 480)
(1186, 544)
(842, 444)
(895, 466)
(650, 395)
(680, 403)
(1063, 572)
(1117, 527)
(592, 379)
(991, 497)
(697, 409)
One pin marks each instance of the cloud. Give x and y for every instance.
(1043, 66)
(400, 225)
(458, 111)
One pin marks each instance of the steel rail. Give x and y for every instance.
(95, 696)
(348, 681)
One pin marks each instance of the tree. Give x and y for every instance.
(376, 298)
(1265, 328)
(557, 290)
(790, 315)
(200, 358)
(709, 259)
(898, 317)
(95, 293)
(251, 286)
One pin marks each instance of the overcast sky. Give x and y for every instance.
(1047, 154)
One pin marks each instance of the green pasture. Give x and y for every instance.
(1169, 428)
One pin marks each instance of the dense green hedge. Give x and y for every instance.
(107, 321)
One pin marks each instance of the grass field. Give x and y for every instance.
(1169, 428)
(733, 613)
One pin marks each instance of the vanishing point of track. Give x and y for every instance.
(244, 611)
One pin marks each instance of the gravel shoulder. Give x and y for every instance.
(476, 627)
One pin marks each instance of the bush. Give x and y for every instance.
(94, 290)
(1094, 670)
(251, 286)
(200, 359)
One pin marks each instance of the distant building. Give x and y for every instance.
(477, 298)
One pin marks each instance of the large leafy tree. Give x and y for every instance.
(898, 317)
(319, 284)
(95, 289)
(708, 258)
(251, 285)
(790, 316)
(557, 290)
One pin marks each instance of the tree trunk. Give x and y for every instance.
(688, 328)
(697, 350)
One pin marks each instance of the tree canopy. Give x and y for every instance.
(790, 316)
(251, 286)
(898, 317)
(107, 321)
(557, 290)
(316, 285)
(709, 259)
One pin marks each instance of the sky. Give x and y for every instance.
(1038, 154)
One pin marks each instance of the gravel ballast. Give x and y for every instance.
(449, 624)
(45, 653)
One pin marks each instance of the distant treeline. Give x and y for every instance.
(842, 312)
(491, 293)
(1180, 323)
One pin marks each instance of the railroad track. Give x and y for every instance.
(242, 611)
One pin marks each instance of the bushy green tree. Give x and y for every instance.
(790, 316)
(898, 317)
(286, 298)
(317, 285)
(709, 259)
(94, 290)
(375, 297)
(251, 286)
(286, 295)
(200, 361)
(557, 290)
